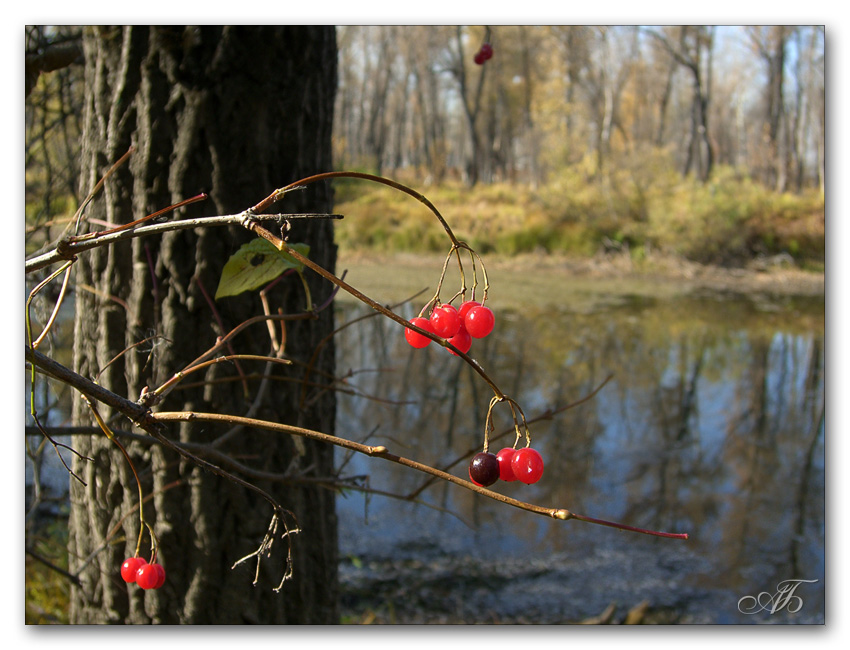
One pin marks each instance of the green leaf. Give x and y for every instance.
(256, 264)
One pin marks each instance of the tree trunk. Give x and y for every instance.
(470, 110)
(235, 112)
(695, 52)
(776, 105)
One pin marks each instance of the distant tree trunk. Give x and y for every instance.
(235, 112)
(471, 107)
(574, 44)
(532, 145)
(664, 103)
(801, 107)
(377, 131)
(770, 43)
(776, 105)
(694, 52)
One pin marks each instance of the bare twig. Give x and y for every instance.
(381, 451)
(66, 249)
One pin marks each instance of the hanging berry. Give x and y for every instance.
(484, 53)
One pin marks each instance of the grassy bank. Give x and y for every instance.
(730, 221)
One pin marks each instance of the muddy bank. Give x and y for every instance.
(422, 585)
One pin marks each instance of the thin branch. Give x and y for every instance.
(140, 415)
(381, 451)
(53, 567)
(67, 249)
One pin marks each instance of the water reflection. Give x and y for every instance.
(712, 424)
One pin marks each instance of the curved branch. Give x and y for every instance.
(278, 194)
(257, 229)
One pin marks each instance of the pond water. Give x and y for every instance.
(712, 424)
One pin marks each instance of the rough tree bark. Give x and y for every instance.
(235, 112)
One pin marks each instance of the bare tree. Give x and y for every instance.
(770, 43)
(692, 47)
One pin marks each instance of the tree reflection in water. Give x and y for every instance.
(713, 424)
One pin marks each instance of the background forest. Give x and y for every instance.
(703, 141)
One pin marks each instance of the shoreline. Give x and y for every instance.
(548, 279)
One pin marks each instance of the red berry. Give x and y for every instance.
(484, 469)
(486, 51)
(415, 338)
(150, 576)
(130, 567)
(465, 307)
(479, 58)
(479, 321)
(445, 321)
(527, 465)
(160, 576)
(462, 341)
(506, 472)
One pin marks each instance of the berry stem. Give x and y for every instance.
(547, 415)
(257, 229)
(111, 436)
(514, 406)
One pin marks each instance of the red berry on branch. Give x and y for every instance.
(486, 51)
(131, 567)
(479, 321)
(465, 307)
(150, 576)
(462, 341)
(445, 321)
(527, 465)
(160, 576)
(415, 339)
(479, 58)
(506, 473)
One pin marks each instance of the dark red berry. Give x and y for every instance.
(415, 338)
(445, 321)
(131, 567)
(484, 469)
(527, 465)
(150, 576)
(479, 321)
(462, 341)
(479, 58)
(486, 51)
(506, 473)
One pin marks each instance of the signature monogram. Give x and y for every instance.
(784, 598)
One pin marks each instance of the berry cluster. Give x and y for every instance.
(485, 53)
(509, 464)
(147, 576)
(458, 326)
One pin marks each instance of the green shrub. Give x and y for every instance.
(642, 203)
